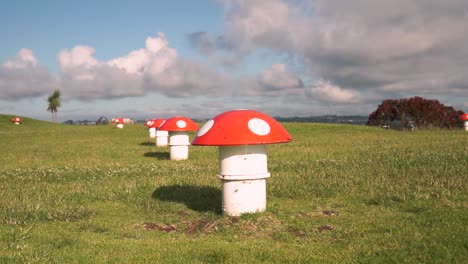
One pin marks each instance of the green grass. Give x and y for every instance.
(338, 194)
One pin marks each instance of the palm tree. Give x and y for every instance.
(54, 104)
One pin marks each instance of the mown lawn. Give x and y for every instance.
(338, 194)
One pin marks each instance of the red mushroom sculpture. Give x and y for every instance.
(242, 136)
(464, 118)
(152, 131)
(120, 122)
(178, 128)
(161, 135)
(17, 120)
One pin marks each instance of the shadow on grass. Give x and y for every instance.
(147, 143)
(160, 155)
(197, 198)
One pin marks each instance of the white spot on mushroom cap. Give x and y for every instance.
(205, 128)
(181, 124)
(259, 126)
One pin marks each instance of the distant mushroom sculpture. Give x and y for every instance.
(178, 128)
(161, 135)
(464, 118)
(242, 136)
(152, 130)
(120, 122)
(17, 120)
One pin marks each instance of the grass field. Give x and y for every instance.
(338, 194)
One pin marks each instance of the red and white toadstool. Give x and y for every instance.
(17, 120)
(152, 131)
(161, 135)
(120, 122)
(178, 128)
(464, 118)
(242, 136)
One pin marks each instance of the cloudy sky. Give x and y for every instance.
(149, 59)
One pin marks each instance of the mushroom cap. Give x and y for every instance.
(179, 123)
(464, 117)
(16, 119)
(119, 120)
(149, 122)
(157, 123)
(241, 127)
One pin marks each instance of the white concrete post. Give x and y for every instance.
(162, 138)
(152, 132)
(243, 172)
(178, 145)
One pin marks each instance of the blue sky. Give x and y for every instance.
(113, 28)
(149, 59)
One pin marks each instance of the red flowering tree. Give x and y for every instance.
(417, 111)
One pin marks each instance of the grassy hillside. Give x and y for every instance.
(338, 193)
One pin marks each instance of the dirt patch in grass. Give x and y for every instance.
(192, 227)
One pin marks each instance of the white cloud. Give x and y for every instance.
(154, 68)
(24, 59)
(278, 77)
(99, 82)
(156, 57)
(325, 91)
(188, 79)
(79, 56)
(273, 24)
(399, 47)
(22, 77)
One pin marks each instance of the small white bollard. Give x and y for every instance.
(243, 172)
(178, 152)
(152, 132)
(161, 138)
(244, 196)
(178, 145)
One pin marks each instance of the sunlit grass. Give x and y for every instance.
(338, 193)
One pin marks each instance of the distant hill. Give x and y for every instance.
(353, 119)
(5, 122)
(334, 119)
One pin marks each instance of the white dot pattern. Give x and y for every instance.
(259, 126)
(205, 128)
(181, 124)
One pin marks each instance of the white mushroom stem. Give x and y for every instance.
(17, 123)
(466, 125)
(161, 138)
(243, 172)
(178, 145)
(120, 125)
(152, 132)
